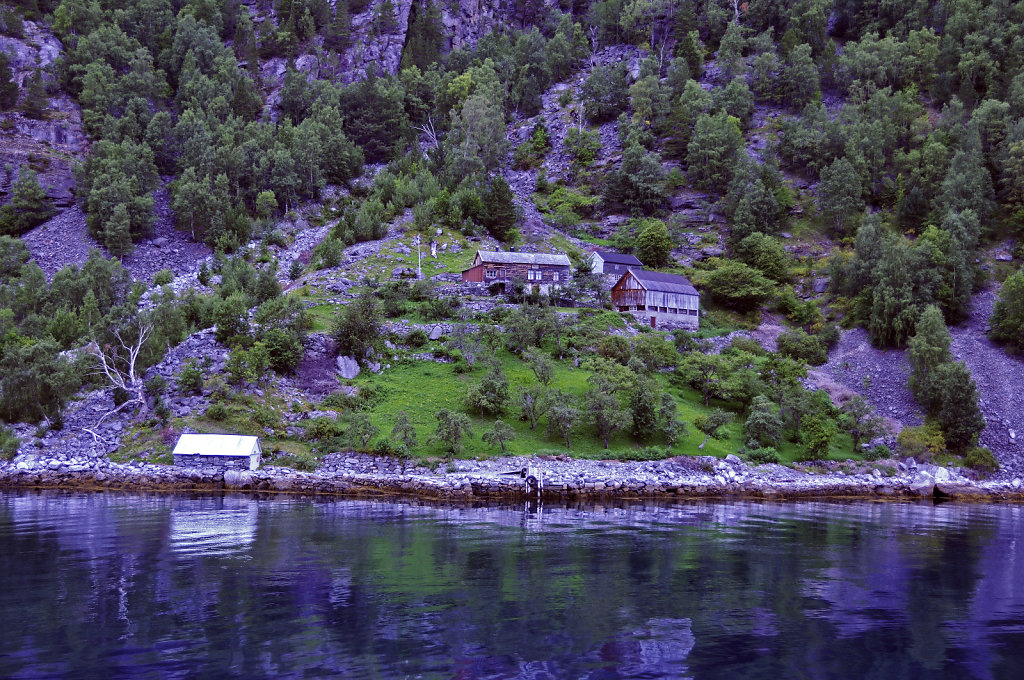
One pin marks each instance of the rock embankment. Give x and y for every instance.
(561, 479)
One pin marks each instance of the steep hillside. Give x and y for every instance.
(833, 173)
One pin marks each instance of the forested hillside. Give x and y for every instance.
(813, 166)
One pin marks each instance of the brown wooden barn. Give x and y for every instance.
(664, 299)
(542, 270)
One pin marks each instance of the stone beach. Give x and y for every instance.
(563, 479)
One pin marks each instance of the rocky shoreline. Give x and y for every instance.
(562, 479)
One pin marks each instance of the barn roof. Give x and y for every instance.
(619, 258)
(666, 283)
(503, 257)
(216, 445)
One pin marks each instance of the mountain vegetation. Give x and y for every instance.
(878, 144)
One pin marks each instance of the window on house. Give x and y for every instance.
(491, 273)
(554, 276)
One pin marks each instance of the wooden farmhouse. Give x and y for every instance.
(666, 300)
(220, 450)
(539, 270)
(603, 262)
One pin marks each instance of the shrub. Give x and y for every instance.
(190, 378)
(922, 442)
(763, 456)
(981, 459)
(9, 444)
(417, 337)
(646, 453)
(880, 452)
(801, 346)
(163, 277)
(217, 411)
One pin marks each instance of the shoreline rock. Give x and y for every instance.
(564, 480)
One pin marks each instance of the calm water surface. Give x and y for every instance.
(139, 586)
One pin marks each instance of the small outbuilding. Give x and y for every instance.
(222, 450)
(604, 262)
(668, 300)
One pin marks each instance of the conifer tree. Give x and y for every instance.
(959, 416)
(28, 206)
(8, 88)
(117, 236)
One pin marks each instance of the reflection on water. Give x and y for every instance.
(226, 528)
(231, 586)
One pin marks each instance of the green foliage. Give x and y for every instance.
(922, 442)
(712, 151)
(163, 277)
(9, 444)
(357, 327)
(605, 93)
(490, 396)
(583, 146)
(763, 424)
(404, 431)
(563, 417)
(959, 415)
(982, 460)
(499, 434)
(763, 456)
(639, 183)
(799, 345)
(839, 195)
(736, 285)
(28, 206)
(711, 424)
(452, 429)
(531, 153)
(927, 350)
(766, 254)
(190, 377)
(35, 381)
(880, 452)
(817, 430)
(1007, 321)
(653, 245)
(8, 88)
(860, 420)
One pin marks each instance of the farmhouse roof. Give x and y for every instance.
(503, 257)
(666, 283)
(216, 445)
(618, 258)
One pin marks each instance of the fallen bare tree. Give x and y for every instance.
(118, 362)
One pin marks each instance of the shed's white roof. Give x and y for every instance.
(217, 445)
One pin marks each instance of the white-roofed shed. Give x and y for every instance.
(222, 450)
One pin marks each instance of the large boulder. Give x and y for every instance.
(348, 368)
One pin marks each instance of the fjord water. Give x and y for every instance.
(135, 586)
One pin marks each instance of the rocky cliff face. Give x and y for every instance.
(465, 21)
(49, 146)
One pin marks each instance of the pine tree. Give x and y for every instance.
(8, 88)
(117, 237)
(927, 350)
(501, 216)
(839, 195)
(28, 206)
(959, 416)
(1008, 317)
(36, 102)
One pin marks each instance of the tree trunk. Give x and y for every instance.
(706, 438)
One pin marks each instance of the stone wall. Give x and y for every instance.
(196, 460)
